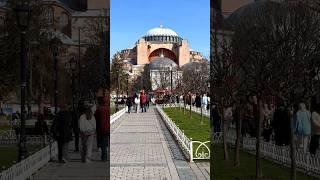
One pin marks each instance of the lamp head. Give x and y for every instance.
(23, 13)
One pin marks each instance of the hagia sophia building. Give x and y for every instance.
(163, 45)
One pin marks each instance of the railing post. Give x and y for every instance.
(191, 150)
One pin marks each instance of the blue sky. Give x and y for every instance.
(131, 19)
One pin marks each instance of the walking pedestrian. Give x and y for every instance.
(267, 130)
(143, 101)
(281, 125)
(314, 144)
(193, 99)
(87, 124)
(198, 101)
(103, 126)
(204, 102)
(62, 132)
(129, 103)
(303, 127)
(137, 103)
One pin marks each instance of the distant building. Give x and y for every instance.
(66, 18)
(157, 42)
(160, 47)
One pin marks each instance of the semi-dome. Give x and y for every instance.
(162, 34)
(162, 63)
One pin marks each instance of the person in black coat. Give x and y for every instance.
(61, 130)
(198, 101)
(129, 103)
(281, 125)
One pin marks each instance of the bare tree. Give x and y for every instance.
(278, 58)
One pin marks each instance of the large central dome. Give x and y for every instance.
(161, 34)
(161, 31)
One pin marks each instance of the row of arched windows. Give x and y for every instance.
(50, 16)
(163, 38)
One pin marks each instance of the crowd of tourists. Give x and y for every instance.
(93, 122)
(138, 102)
(197, 100)
(276, 122)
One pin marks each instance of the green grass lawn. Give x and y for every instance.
(113, 109)
(225, 170)
(5, 127)
(9, 154)
(192, 126)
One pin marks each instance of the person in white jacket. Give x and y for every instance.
(137, 102)
(87, 124)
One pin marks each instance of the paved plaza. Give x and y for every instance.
(75, 169)
(143, 148)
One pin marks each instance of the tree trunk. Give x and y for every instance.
(238, 128)
(258, 153)
(184, 104)
(212, 144)
(292, 150)
(190, 107)
(224, 135)
(40, 96)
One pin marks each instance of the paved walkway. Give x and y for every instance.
(143, 148)
(74, 169)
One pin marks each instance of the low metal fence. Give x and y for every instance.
(192, 149)
(31, 164)
(118, 114)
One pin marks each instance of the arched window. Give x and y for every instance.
(49, 15)
(64, 19)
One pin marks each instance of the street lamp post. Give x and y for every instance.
(55, 44)
(23, 12)
(127, 84)
(117, 95)
(201, 94)
(170, 68)
(72, 64)
(72, 68)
